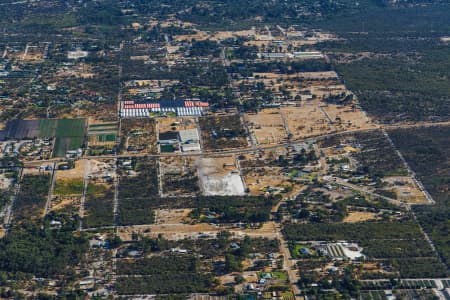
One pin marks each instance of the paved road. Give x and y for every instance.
(253, 148)
(365, 190)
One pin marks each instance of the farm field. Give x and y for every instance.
(47, 127)
(22, 129)
(100, 134)
(70, 135)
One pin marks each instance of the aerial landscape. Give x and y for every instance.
(225, 149)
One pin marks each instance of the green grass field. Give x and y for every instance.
(114, 124)
(106, 138)
(69, 134)
(69, 187)
(279, 275)
(47, 127)
(64, 144)
(71, 127)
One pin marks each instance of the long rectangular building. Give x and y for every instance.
(182, 108)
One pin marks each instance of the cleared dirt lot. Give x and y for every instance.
(346, 118)
(258, 180)
(222, 132)
(220, 176)
(65, 202)
(77, 172)
(406, 190)
(181, 231)
(267, 126)
(307, 120)
(172, 216)
(358, 216)
(176, 124)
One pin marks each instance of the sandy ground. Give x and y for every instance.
(327, 90)
(77, 172)
(257, 181)
(359, 216)
(408, 192)
(171, 216)
(345, 118)
(181, 231)
(222, 35)
(62, 202)
(99, 168)
(220, 176)
(267, 126)
(174, 165)
(301, 75)
(307, 120)
(176, 124)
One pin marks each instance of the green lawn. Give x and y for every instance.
(280, 275)
(106, 138)
(295, 251)
(69, 187)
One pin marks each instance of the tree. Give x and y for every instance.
(232, 264)
(238, 279)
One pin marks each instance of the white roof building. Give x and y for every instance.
(189, 136)
(190, 140)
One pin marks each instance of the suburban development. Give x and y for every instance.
(233, 149)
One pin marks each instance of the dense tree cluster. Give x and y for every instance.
(41, 251)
